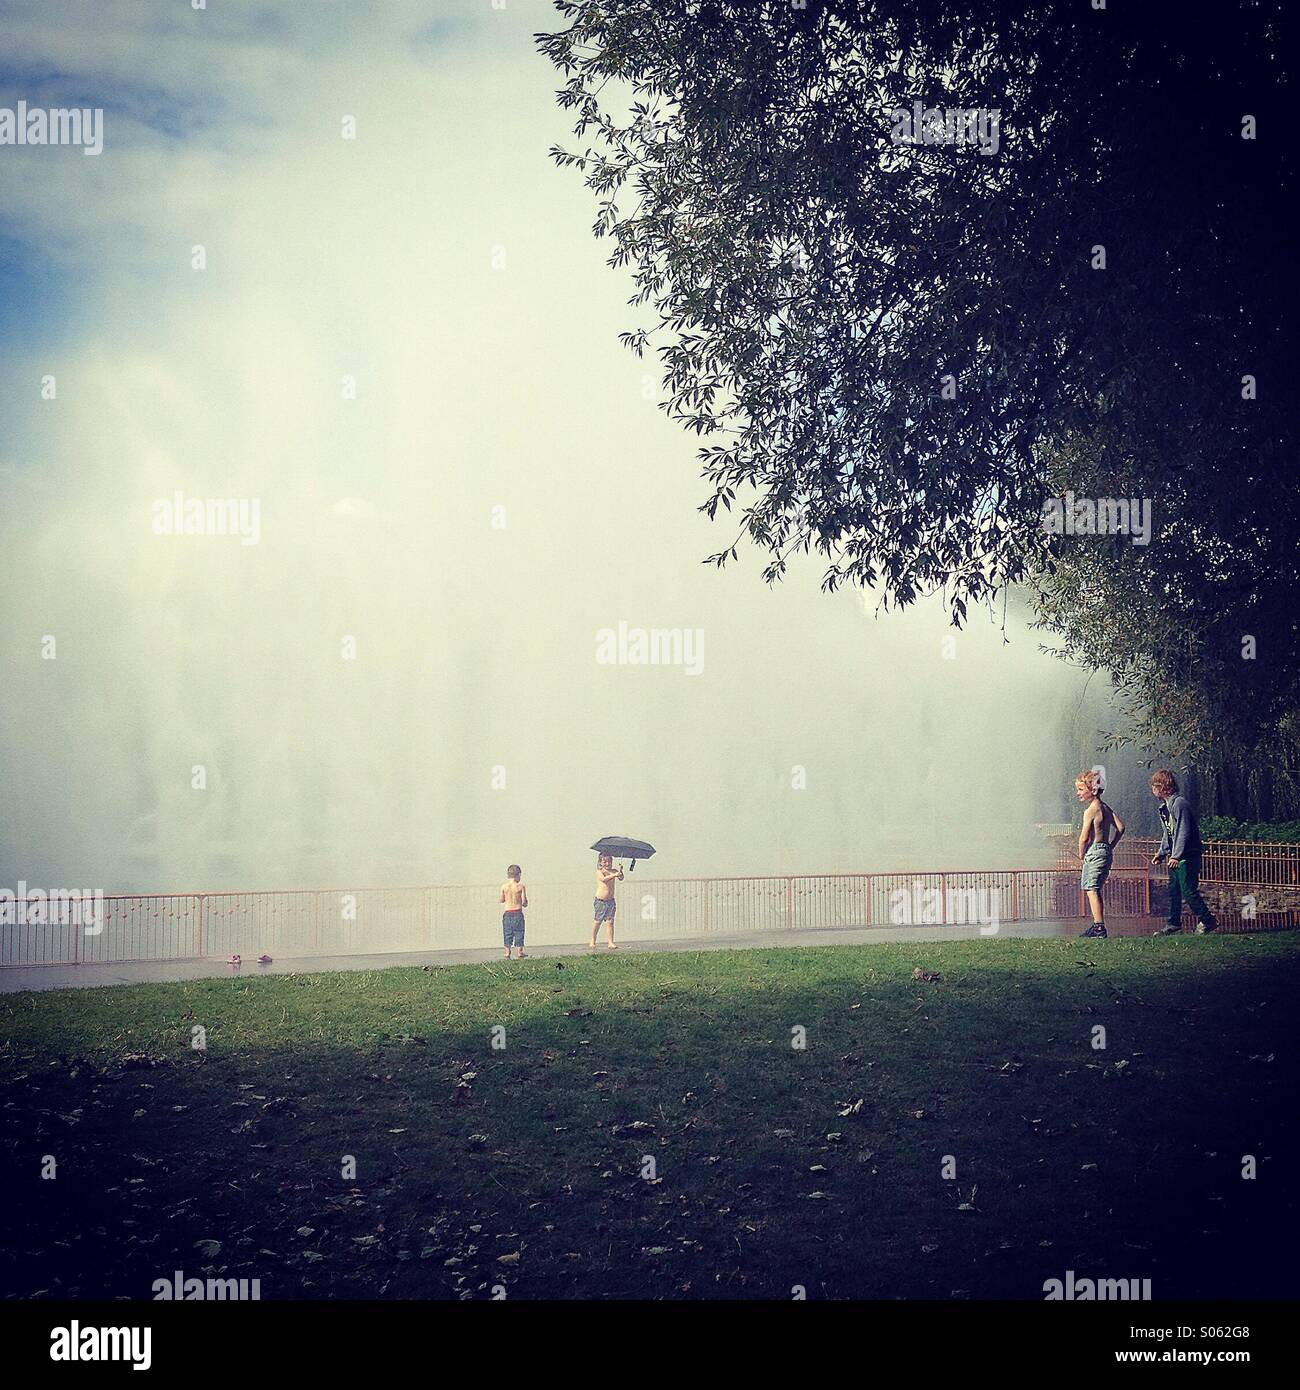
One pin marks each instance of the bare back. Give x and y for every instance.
(1100, 825)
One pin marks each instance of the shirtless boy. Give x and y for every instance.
(515, 897)
(605, 906)
(1101, 832)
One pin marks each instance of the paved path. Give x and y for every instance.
(82, 976)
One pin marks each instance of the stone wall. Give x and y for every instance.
(1227, 899)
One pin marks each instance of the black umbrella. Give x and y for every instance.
(620, 847)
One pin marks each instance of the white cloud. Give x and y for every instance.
(480, 393)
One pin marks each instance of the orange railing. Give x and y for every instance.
(333, 922)
(1222, 861)
(329, 922)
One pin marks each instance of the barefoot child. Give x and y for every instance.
(1100, 833)
(515, 897)
(605, 906)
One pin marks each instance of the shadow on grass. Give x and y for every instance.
(647, 1127)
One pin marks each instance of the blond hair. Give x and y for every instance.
(1090, 781)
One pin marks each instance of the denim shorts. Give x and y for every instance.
(512, 928)
(604, 911)
(1096, 866)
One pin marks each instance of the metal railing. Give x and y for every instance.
(351, 922)
(1222, 861)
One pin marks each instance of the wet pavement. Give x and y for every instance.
(40, 977)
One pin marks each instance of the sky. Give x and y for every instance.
(398, 353)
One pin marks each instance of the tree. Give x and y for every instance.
(894, 351)
(1198, 633)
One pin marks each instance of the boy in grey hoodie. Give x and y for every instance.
(1180, 847)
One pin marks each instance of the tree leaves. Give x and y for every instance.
(810, 285)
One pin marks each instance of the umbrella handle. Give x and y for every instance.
(632, 867)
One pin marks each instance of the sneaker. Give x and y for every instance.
(1097, 929)
(1167, 931)
(1204, 928)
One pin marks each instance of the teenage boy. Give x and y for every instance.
(1180, 847)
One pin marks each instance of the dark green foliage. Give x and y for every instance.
(1225, 828)
(809, 284)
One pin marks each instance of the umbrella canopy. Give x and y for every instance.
(620, 847)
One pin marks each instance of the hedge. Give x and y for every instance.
(1285, 832)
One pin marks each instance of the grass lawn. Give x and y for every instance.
(527, 1167)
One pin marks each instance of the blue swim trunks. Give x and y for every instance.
(1096, 866)
(605, 908)
(512, 929)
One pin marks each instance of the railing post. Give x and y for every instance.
(943, 900)
(1015, 895)
(198, 926)
(708, 884)
(789, 903)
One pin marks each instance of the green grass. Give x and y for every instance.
(1124, 1162)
